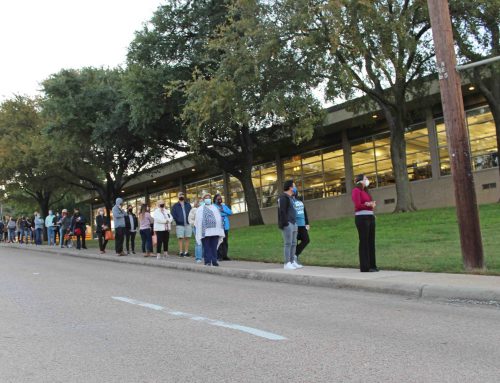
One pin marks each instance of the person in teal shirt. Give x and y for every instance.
(302, 225)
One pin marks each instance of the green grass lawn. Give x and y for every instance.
(425, 240)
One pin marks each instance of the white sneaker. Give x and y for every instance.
(158, 256)
(289, 266)
(297, 265)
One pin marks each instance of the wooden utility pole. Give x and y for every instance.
(456, 133)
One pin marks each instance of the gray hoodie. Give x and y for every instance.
(118, 214)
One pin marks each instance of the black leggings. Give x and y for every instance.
(162, 238)
(366, 232)
(302, 240)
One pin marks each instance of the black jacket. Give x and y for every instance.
(127, 221)
(80, 224)
(102, 220)
(286, 211)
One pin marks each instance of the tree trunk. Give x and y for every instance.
(404, 199)
(254, 213)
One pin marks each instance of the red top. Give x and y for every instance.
(359, 197)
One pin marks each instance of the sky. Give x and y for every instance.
(41, 37)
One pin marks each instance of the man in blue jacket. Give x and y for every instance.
(225, 212)
(183, 230)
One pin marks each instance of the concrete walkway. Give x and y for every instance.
(461, 287)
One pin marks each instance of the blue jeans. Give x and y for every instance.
(50, 235)
(198, 249)
(27, 235)
(12, 235)
(210, 249)
(38, 236)
(289, 242)
(61, 236)
(147, 240)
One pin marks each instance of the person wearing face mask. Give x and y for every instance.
(145, 222)
(131, 224)
(102, 224)
(365, 223)
(49, 224)
(65, 227)
(38, 229)
(302, 227)
(225, 212)
(180, 213)
(119, 222)
(198, 250)
(162, 225)
(78, 228)
(209, 230)
(287, 216)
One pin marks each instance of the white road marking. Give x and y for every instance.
(36, 273)
(198, 318)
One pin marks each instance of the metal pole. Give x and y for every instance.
(458, 142)
(478, 63)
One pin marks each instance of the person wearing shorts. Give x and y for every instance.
(183, 230)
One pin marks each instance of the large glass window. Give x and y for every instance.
(317, 174)
(212, 185)
(418, 156)
(169, 196)
(482, 140)
(383, 164)
(238, 204)
(363, 158)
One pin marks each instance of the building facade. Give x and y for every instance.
(348, 144)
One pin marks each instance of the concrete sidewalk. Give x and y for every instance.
(461, 287)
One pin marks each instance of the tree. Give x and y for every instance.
(377, 47)
(258, 94)
(88, 115)
(477, 33)
(25, 172)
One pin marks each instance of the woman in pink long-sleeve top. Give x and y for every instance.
(365, 223)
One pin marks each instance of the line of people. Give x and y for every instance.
(208, 219)
(60, 229)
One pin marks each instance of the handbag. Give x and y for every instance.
(108, 235)
(78, 231)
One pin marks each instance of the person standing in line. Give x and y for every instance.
(2, 228)
(57, 226)
(131, 225)
(119, 221)
(287, 223)
(180, 213)
(198, 249)
(209, 230)
(19, 229)
(302, 227)
(38, 229)
(102, 225)
(49, 224)
(11, 226)
(78, 228)
(162, 226)
(22, 231)
(145, 222)
(5, 229)
(27, 231)
(65, 228)
(365, 223)
(225, 212)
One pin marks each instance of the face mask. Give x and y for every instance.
(219, 202)
(294, 190)
(207, 201)
(367, 182)
(130, 210)
(181, 198)
(162, 206)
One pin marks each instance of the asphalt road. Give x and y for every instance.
(66, 319)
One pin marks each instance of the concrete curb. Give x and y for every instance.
(409, 289)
